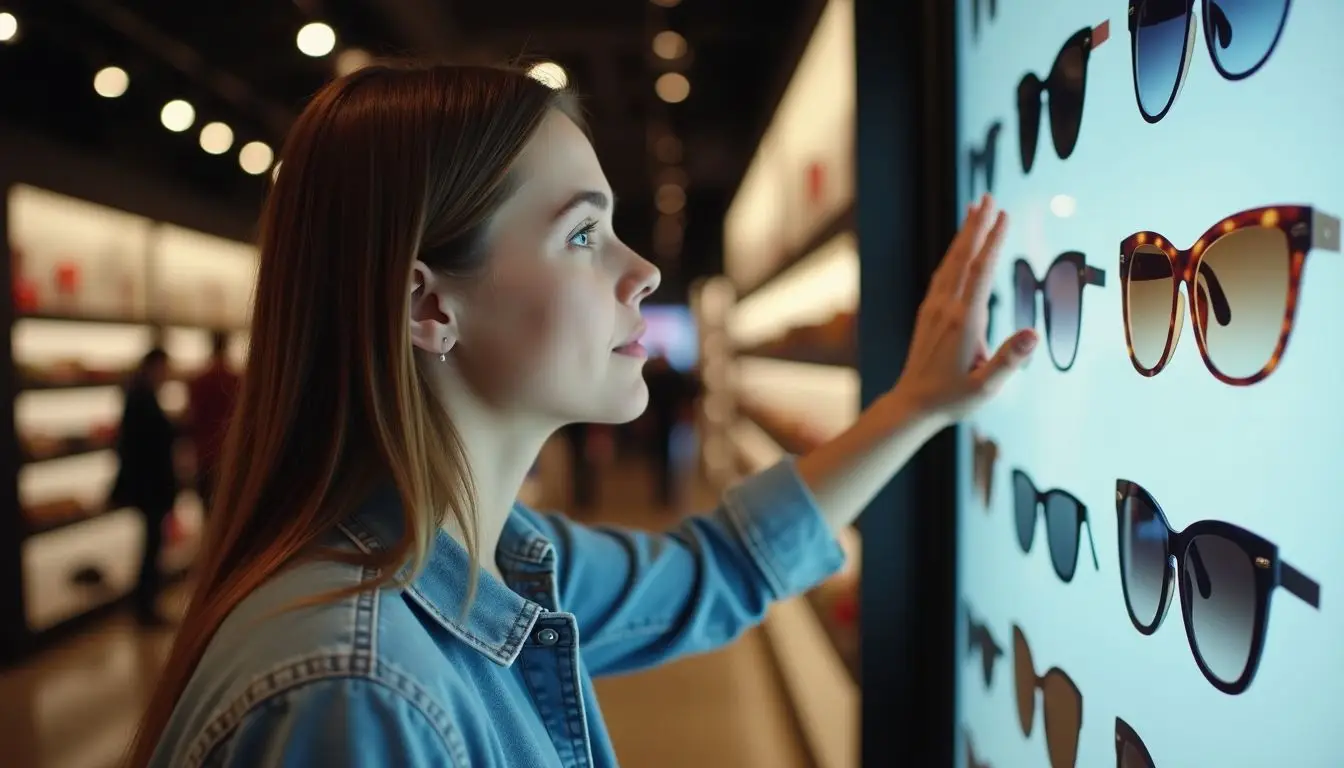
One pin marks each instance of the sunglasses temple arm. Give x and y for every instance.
(1299, 584)
(1094, 276)
(1091, 544)
(1325, 231)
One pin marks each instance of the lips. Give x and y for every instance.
(631, 346)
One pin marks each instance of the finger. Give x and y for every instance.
(979, 275)
(947, 275)
(990, 377)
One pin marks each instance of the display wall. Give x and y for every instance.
(1149, 525)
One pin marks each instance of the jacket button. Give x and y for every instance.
(548, 636)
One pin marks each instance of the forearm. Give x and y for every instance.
(846, 473)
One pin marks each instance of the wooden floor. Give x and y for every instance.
(75, 705)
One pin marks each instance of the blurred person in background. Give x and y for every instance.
(210, 398)
(146, 476)
(440, 291)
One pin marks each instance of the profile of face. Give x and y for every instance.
(551, 330)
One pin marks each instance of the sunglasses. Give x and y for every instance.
(1064, 86)
(992, 9)
(1062, 289)
(1227, 575)
(989, 317)
(1130, 751)
(986, 452)
(1242, 278)
(981, 159)
(971, 760)
(978, 638)
(1065, 517)
(1239, 34)
(1062, 704)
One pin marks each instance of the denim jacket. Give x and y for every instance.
(396, 676)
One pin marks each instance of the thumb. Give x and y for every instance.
(990, 376)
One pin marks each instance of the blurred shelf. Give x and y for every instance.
(829, 358)
(64, 453)
(151, 321)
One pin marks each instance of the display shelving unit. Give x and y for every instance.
(103, 265)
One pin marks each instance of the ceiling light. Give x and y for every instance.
(549, 74)
(666, 3)
(216, 138)
(670, 199)
(316, 39)
(9, 27)
(672, 87)
(111, 82)
(256, 158)
(177, 115)
(669, 45)
(352, 60)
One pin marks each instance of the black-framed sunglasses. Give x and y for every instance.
(979, 638)
(1062, 292)
(1227, 576)
(991, 9)
(1240, 36)
(1130, 751)
(1064, 87)
(1065, 519)
(980, 160)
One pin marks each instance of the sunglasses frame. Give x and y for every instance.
(1087, 275)
(984, 455)
(1038, 510)
(1020, 641)
(1187, 52)
(978, 637)
(1086, 40)
(983, 157)
(992, 11)
(1305, 229)
(1270, 570)
(1126, 736)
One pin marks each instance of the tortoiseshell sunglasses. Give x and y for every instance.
(1242, 277)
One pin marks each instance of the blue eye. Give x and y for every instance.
(584, 237)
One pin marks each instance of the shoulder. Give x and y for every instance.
(275, 679)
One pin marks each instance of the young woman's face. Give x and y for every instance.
(547, 331)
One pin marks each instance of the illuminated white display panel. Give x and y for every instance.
(1254, 124)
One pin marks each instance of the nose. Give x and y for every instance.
(641, 278)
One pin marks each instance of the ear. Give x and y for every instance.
(434, 325)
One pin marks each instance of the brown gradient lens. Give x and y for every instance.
(1063, 719)
(1024, 674)
(1151, 305)
(1131, 757)
(1241, 299)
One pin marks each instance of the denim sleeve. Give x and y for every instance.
(337, 723)
(641, 599)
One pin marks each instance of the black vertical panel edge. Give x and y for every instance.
(13, 632)
(906, 217)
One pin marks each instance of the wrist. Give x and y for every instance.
(902, 410)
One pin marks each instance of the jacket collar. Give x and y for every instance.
(500, 618)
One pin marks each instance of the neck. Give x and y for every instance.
(500, 450)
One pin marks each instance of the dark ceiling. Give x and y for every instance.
(237, 62)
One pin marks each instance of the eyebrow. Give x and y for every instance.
(590, 196)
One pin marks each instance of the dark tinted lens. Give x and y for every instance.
(1063, 719)
(1243, 32)
(1132, 757)
(1024, 296)
(1143, 558)
(1241, 299)
(1024, 679)
(1063, 295)
(1061, 526)
(1067, 81)
(1028, 119)
(1024, 509)
(1159, 46)
(1219, 585)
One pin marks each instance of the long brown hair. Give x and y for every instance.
(385, 166)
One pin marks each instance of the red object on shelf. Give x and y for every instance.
(174, 532)
(25, 296)
(67, 278)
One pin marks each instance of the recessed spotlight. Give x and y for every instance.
(111, 82)
(9, 27)
(178, 115)
(256, 158)
(549, 74)
(669, 45)
(672, 87)
(670, 199)
(216, 138)
(316, 39)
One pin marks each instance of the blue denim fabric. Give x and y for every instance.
(396, 676)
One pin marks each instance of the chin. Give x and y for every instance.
(622, 408)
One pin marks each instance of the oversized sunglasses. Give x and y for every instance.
(1130, 751)
(1226, 577)
(1064, 88)
(986, 453)
(1239, 34)
(1065, 518)
(1062, 291)
(1242, 277)
(1062, 704)
(980, 160)
(979, 638)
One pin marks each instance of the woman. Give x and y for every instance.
(146, 476)
(440, 291)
